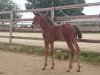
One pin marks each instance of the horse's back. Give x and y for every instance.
(68, 29)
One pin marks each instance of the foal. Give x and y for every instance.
(53, 33)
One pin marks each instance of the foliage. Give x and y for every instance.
(33, 4)
(8, 5)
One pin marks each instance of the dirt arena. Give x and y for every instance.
(21, 64)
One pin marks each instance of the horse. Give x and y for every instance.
(52, 32)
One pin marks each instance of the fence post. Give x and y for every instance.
(11, 26)
(97, 24)
(52, 14)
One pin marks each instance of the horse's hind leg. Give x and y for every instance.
(72, 52)
(52, 54)
(78, 52)
(46, 55)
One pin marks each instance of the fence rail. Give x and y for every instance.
(5, 12)
(35, 38)
(60, 18)
(12, 20)
(60, 7)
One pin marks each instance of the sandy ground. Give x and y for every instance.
(21, 64)
(84, 46)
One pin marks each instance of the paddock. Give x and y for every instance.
(21, 64)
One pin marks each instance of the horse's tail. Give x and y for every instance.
(79, 34)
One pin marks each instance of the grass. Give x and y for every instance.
(91, 57)
(27, 49)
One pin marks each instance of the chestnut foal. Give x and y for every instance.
(53, 33)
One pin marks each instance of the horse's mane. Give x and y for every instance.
(48, 19)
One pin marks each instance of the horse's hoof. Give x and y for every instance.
(43, 68)
(67, 71)
(78, 71)
(52, 67)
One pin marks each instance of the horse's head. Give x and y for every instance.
(36, 19)
(41, 20)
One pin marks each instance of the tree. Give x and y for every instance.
(8, 5)
(33, 4)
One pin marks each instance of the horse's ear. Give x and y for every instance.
(36, 13)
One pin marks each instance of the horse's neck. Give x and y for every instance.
(46, 26)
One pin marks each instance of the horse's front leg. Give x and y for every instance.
(52, 54)
(46, 55)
